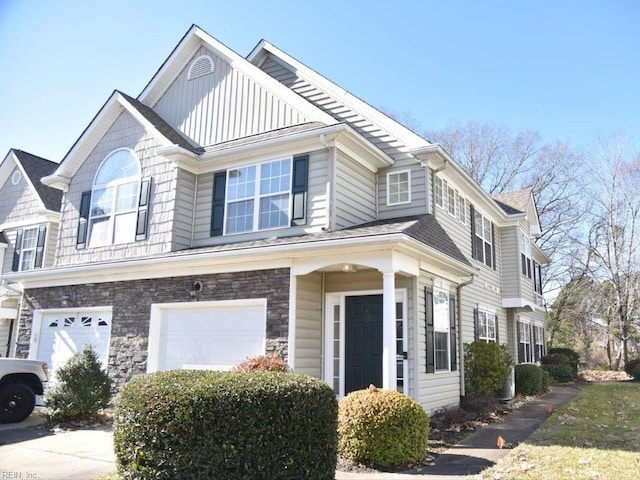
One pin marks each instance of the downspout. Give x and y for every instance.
(6, 285)
(460, 341)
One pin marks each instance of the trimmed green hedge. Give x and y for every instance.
(382, 428)
(228, 425)
(560, 373)
(529, 379)
(572, 356)
(487, 366)
(632, 368)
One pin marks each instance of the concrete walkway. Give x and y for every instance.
(88, 454)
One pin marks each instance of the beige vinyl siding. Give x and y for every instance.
(511, 266)
(355, 200)
(527, 291)
(317, 204)
(184, 213)
(125, 132)
(18, 203)
(50, 246)
(419, 191)
(435, 390)
(223, 105)
(308, 344)
(10, 235)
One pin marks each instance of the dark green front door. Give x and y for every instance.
(363, 342)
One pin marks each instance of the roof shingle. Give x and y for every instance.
(37, 168)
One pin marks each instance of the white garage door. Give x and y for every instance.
(63, 334)
(211, 335)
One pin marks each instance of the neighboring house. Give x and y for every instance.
(242, 206)
(29, 218)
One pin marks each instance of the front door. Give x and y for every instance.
(363, 342)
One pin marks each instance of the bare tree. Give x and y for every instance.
(613, 239)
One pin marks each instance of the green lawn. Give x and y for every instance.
(595, 436)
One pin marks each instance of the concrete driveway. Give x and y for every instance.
(33, 453)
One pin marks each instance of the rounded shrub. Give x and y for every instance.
(203, 424)
(81, 389)
(632, 368)
(487, 366)
(381, 427)
(529, 379)
(572, 355)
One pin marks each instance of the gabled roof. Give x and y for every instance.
(33, 168)
(182, 53)
(367, 114)
(519, 202)
(117, 103)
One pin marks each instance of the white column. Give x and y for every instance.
(389, 372)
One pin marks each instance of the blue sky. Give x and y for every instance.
(569, 69)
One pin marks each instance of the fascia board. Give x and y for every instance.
(396, 129)
(7, 166)
(340, 135)
(185, 49)
(540, 253)
(183, 264)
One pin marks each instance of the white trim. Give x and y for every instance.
(293, 305)
(156, 317)
(16, 176)
(212, 67)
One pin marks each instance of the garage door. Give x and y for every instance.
(63, 334)
(211, 335)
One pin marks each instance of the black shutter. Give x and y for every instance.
(299, 190)
(493, 246)
(85, 204)
(143, 209)
(535, 345)
(476, 325)
(428, 314)
(544, 341)
(42, 235)
(217, 206)
(520, 344)
(497, 330)
(474, 253)
(452, 332)
(16, 251)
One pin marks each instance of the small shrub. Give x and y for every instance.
(529, 379)
(545, 381)
(487, 366)
(381, 427)
(559, 373)
(632, 368)
(82, 388)
(555, 359)
(481, 407)
(263, 363)
(572, 355)
(199, 424)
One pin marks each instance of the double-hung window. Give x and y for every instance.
(525, 352)
(538, 334)
(487, 326)
(525, 254)
(482, 238)
(258, 197)
(441, 329)
(29, 243)
(28, 252)
(449, 199)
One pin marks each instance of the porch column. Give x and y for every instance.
(389, 368)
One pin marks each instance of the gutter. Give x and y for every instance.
(460, 341)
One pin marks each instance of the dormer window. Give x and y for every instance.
(201, 66)
(116, 209)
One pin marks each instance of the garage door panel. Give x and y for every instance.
(207, 336)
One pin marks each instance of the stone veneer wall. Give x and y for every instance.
(131, 301)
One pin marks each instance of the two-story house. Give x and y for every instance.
(240, 206)
(29, 217)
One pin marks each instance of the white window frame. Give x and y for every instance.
(439, 186)
(24, 266)
(482, 233)
(394, 178)
(448, 198)
(113, 235)
(525, 339)
(525, 251)
(191, 75)
(442, 326)
(485, 318)
(539, 343)
(255, 196)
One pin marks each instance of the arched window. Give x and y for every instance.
(203, 65)
(114, 200)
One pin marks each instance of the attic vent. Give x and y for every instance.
(202, 65)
